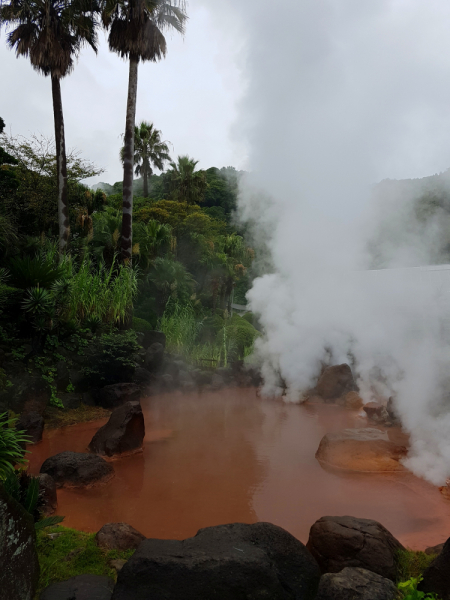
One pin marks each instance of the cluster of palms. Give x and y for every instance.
(51, 34)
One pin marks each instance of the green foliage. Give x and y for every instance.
(11, 445)
(54, 400)
(181, 327)
(73, 553)
(141, 325)
(39, 271)
(171, 281)
(110, 358)
(409, 590)
(411, 564)
(183, 183)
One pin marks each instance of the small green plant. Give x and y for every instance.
(410, 592)
(12, 444)
(70, 387)
(54, 400)
(111, 358)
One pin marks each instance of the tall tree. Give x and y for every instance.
(149, 152)
(136, 33)
(184, 183)
(51, 33)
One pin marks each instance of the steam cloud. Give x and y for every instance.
(342, 94)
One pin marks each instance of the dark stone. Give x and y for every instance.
(202, 377)
(123, 433)
(431, 550)
(62, 376)
(117, 394)
(81, 587)
(392, 410)
(119, 536)
(90, 398)
(28, 392)
(154, 357)
(335, 382)
(339, 542)
(229, 562)
(79, 381)
(355, 584)
(217, 381)
(47, 493)
(71, 399)
(77, 469)
(436, 578)
(142, 377)
(152, 337)
(167, 382)
(32, 424)
(19, 571)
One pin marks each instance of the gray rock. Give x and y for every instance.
(355, 584)
(154, 357)
(227, 562)
(47, 493)
(78, 380)
(339, 542)
(335, 381)
(117, 394)
(62, 376)
(217, 382)
(19, 572)
(81, 587)
(142, 377)
(436, 578)
(152, 337)
(77, 469)
(28, 392)
(32, 424)
(123, 433)
(71, 399)
(431, 550)
(119, 536)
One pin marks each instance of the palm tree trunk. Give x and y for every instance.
(61, 166)
(145, 182)
(127, 214)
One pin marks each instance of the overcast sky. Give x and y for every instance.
(191, 97)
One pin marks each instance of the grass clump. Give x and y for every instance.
(56, 417)
(73, 553)
(410, 568)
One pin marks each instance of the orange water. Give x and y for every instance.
(228, 456)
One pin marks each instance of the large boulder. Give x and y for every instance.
(365, 449)
(123, 433)
(19, 566)
(117, 394)
(154, 357)
(339, 542)
(47, 493)
(355, 584)
(434, 550)
(77, 469)
(335, 381)
(28, 392)
(436, 578)
(119, 536)
(229, 562)
(81, 587)
(32, 424)
(154, 337)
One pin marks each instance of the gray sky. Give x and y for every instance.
(191, 97)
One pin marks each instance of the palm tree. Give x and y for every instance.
(171, 280)
(51, 33)
(149, 151)
(185, 184)
(136, 33)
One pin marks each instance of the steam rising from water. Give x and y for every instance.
(341, 94)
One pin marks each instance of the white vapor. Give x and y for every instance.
(341, 94)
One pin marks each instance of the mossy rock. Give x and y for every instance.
(141, 325)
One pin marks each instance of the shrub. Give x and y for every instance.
(409, 590)
(141, 325)
(11, 445)
(110, 359)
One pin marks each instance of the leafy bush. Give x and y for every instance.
(141, 325)
(410, 592)
(11, 445)
(39, 271)
(110, 359)
(411, 564)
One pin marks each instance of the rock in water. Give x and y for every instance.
(47, 493)
(434, 550)
(335, 382)
(19, 566)
(77, 469)
(119, 536)
(123, 433)
(339, 542)
(117, 394)
(436, 578)
(154, 337)
(355, 584)
(365, 450)
(227, 562)
(81, 587)
(32, 424)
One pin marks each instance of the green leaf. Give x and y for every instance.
(48, 522)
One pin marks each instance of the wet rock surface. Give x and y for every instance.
(32, 424)
(436, 578)
(77, 469)
(335, 381)
(355, 584)
(123, 433)
(434, 549)
(19, 566)
(119, 536)
(112, 396)
(81, 587)
(235, 561)
(340, 542)
(366, 450)
(47, 493)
